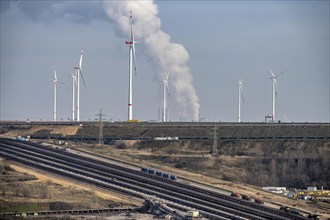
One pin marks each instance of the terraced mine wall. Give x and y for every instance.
(262, 154)
(182, 130)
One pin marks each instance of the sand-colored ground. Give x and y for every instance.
(64, 130)
(68, 130)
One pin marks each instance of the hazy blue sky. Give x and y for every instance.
(226, 41)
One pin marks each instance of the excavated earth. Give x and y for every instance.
(291, 155)
(286, 155)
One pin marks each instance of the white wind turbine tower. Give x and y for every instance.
(131, 60)
(166, 91)
(78, 74)
(274, 90)
(74, 84)
(240, 98)
(55, 81)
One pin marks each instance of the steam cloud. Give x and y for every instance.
(166, 56)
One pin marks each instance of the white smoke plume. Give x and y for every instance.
(165, 55)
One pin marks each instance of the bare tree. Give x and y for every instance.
(43, 191)
(26, 192)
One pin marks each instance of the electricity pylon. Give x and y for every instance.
(215, 141)
(101, 139)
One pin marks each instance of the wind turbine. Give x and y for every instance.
(240, 98)
(74, 84)
(55, 81)
(131, 60)
(165, 90)
(78, 74)
(274, 90)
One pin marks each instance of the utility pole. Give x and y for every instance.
(215, 141)
(101, 140)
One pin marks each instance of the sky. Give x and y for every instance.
(221, 42)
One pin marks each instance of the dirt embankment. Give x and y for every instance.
(150, 130)
(39, 131)
(296, 164)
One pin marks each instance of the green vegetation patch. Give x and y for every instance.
(16, 207)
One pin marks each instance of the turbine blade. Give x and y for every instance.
(275, 85)
(166, 74)
(134, 58)
(82, 77)
(240, 83)
(55, 75)
(131, 23)
(280, 73)
(80, 60)
(242, 97)
(272, 73)
(168, 89)
(75, 80)
(133, 42)
(73, 76)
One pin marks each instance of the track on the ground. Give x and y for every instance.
(114, 177)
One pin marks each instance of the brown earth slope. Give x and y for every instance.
(23, 190)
